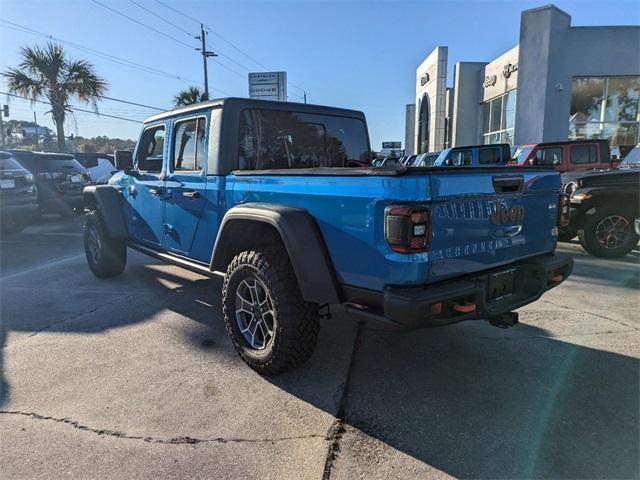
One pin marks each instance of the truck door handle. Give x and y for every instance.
(191, 194)
(156, 191)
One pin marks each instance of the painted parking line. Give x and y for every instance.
(43, 266)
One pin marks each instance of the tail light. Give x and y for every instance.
(563, 210)
(407, 229)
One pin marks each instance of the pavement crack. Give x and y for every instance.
(179, 440)
(597, 315)
(337, 429)
(73, 317)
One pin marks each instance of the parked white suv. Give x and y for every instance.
(100, 165)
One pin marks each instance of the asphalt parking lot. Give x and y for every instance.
(134, 377)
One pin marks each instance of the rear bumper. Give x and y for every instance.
(469, 298)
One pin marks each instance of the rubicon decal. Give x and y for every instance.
(504, 214)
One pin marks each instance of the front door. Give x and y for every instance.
(145, 190)
(185, 183)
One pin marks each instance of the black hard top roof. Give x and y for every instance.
(501, 145)
(242, 103)
(571, 142)
(26, 154)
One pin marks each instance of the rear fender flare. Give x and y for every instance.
(302, 240)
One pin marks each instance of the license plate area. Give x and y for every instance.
(8, 183)
(501, 284)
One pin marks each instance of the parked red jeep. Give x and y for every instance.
(566, 156)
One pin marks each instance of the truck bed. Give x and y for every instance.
(349, 203)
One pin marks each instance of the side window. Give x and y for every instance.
(548, 156)
(274, 139)
(188, 145)
(489, 155)
(461, 158)
(583, 154)
(150, 150)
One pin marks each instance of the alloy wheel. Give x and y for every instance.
(613, 231)
(255, 315)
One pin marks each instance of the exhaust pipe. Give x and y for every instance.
(505, 320)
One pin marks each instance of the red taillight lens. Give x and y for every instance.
(407, 229)
(564, 206)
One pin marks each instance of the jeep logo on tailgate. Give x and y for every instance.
(504, 214)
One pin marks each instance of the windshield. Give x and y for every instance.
(520, 155)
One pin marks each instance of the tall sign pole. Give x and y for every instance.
(205, 54)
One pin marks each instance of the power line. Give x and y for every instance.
(134, 103)
(117, 12)
(97, 53)
(73, 108)
(104, 55)
(161, 18)
(211, 30)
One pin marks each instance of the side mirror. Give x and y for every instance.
(449, 162)
(123, 159)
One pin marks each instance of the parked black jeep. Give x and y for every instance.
(604, 205)
(60, 180)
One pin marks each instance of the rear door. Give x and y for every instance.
(185, 183)
(484, 219)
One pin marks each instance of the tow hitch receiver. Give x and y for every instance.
(505, 320)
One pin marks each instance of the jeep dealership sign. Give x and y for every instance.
(268, 86)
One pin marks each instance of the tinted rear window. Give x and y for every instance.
(583, 154)
(9, 164)
(489, 155)
(275, 139)
(49, 163)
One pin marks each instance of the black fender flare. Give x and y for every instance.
(108, 201)
(302, 240)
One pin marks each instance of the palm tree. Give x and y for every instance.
(49, 73)
(189, 96)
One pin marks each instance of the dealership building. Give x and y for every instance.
(560, 82)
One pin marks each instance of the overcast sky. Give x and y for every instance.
(360, 55)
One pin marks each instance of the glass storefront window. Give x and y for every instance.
(496, 115)
(510, 109)
(607, 108)
(587, 95)
(622, 99)
(498, 118)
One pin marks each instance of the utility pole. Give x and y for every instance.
(205, 55)
(305, 97)
(4, 113)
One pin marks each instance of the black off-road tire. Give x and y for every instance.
(106, 257)
(295, 322)
(588, 235)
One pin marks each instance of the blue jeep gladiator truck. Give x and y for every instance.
(280, 200)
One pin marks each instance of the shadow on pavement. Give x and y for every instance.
(469, 400)
(496, 406)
